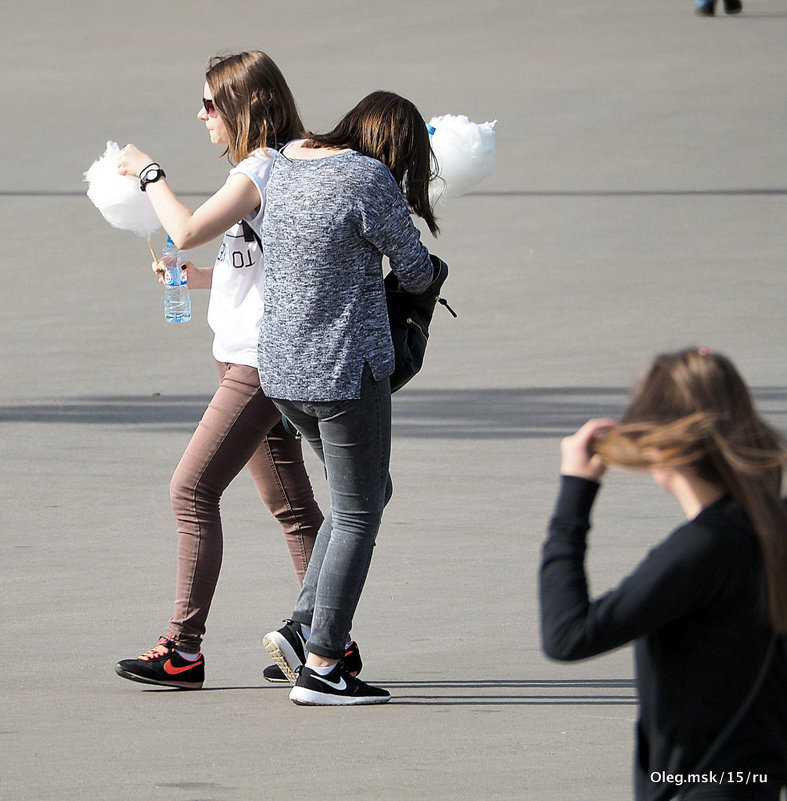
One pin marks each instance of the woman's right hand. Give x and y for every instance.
(197, 278)
(159, 268)
(577, 456)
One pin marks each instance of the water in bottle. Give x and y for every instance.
(177, 301)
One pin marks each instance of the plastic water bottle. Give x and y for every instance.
(177, 301)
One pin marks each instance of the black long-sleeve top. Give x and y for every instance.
(694, 608)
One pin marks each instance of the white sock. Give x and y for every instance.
(322, 671)
(187, 657)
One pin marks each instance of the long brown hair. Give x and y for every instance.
(254, 101)
(389, 128)
(694, 410)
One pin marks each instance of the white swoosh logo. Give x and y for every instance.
(336, 685)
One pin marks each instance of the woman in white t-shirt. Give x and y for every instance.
(247, 108)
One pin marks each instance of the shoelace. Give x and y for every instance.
(162, 649)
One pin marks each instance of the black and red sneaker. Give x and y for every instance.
(352, 664)
(287, 646)
(164, 666)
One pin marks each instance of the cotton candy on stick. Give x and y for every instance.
(119, 198)
(465, 153)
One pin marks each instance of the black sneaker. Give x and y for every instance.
(162, 665)
(287, 646)
(352, 664)
(706, 9)
(338, 688)
(351, 661)
(733, 6)
(275, 675)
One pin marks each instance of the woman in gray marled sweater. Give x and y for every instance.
(335, 206)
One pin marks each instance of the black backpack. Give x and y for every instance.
(410, 315)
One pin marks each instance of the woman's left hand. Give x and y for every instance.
(132, 161)
(577, 457)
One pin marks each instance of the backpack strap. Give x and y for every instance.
(249, 234)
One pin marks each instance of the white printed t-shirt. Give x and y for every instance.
(235, 305)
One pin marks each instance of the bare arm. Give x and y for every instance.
(235, 200)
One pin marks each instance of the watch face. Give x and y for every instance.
(149, 175)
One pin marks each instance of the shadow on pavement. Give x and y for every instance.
(519, 413)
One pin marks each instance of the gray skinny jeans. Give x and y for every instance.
(353, 440)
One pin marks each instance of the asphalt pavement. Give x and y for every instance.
(638, 205)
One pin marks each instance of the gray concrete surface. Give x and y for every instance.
(638, 205)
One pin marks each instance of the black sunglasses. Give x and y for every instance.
(210, 109)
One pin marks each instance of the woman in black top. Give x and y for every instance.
(707, 608)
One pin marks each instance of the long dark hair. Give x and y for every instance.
(693, 409)
(389, 128)
(254, 101)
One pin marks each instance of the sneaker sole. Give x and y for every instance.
(305, 697)
(180, 685)
(282, 654)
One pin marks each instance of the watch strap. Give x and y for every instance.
(155, 168)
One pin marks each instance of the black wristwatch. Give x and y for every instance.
(150, 175)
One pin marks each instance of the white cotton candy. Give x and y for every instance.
(465, 153)
(118, 197)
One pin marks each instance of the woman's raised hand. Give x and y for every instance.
(132, 161)
(577, 456)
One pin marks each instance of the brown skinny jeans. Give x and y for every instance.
(241, 427)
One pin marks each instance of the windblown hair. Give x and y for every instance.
(694, 410)
(389, 128)
(254, 102)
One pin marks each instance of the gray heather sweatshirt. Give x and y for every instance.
(328, 222)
